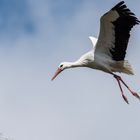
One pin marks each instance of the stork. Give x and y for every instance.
(108, 53)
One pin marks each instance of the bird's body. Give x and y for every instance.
(108, 53)
(104, 63)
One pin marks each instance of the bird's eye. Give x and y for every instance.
(61, 66)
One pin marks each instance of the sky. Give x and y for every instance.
(81, 103)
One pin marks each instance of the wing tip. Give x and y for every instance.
(93, 40)
(123, 10)
(92, 37)
(118, 5)
(137, 21)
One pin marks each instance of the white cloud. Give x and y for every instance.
(80, 103)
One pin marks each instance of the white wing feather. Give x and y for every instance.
(107, 34)
(93, 40)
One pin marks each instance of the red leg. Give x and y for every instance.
(124, 97)
(132, 92)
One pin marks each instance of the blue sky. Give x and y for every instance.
(81, 104)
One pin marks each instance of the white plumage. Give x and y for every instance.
(109, 49)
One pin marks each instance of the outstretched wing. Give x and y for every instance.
(115, 27)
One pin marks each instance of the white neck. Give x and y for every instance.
(73, 64)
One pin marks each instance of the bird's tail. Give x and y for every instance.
(126, 67)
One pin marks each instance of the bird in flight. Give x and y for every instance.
(108, 53)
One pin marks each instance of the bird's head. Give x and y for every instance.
(61, 67)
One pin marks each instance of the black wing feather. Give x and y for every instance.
(122, 27)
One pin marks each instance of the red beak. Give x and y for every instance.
(56, 73)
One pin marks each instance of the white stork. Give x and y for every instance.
(110, 48)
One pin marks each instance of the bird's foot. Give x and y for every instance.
(135, 94)
(125, 98)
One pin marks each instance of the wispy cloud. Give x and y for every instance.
(15, 19)
(35, 36)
